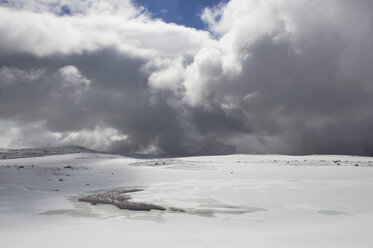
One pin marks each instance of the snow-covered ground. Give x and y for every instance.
(229, 201)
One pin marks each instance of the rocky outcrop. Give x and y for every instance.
(120, 199)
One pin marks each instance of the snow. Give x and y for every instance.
(229, 201)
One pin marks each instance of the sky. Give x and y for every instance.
(188, 77)
(181, 12)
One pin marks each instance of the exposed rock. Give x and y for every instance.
(120, 199)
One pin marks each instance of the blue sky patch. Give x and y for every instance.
(182, 12)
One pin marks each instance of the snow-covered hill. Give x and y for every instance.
(213, 201)
(44, 151)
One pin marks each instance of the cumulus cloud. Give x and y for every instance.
(268, 76)
(94, 25)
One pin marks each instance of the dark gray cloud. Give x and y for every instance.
(277, 80)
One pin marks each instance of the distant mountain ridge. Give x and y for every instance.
(40, 152)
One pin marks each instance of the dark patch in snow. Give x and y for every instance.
(212, 207)
(71, 212)
(331, 212)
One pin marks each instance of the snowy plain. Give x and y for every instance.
(229, 201)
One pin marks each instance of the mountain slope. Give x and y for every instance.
(40, 152)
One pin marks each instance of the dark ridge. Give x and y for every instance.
(40, 152)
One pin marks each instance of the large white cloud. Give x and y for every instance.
(35, 27)
(341, 28)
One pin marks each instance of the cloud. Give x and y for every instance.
(94, 25)
(267, 76)
(20, 135)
